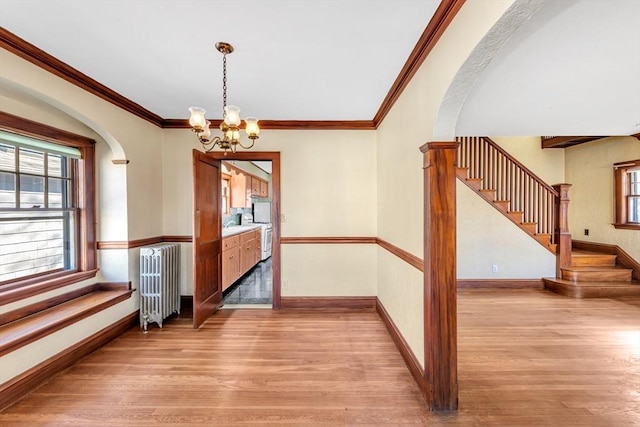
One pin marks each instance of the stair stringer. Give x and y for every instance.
(475, 185)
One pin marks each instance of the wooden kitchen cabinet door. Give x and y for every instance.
(264, 189)
(239, 182)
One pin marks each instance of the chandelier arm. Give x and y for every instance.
(253, 141)
(211, 144)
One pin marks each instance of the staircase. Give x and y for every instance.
(541, 211)
(510, 187)
(594, 275)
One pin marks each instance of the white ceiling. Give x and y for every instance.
(293, 60)
(572, 69)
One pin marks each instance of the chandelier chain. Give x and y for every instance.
(224, 83)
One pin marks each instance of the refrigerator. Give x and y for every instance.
(262, 212)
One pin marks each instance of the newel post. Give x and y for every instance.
(562, 237)
(440, 281)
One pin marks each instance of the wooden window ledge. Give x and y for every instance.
(30, 323)
(627, 226)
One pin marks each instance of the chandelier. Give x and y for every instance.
(230, 125)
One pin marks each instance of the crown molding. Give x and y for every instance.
(286, 124)
(42, 59)
(436, 27)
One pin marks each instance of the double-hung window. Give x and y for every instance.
(38, 206)
(47, 212)
(627, 194)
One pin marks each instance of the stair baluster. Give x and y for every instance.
(515, 191)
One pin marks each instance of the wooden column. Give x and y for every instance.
(562, 236)
(440, 315)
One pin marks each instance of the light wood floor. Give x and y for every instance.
(526, 357)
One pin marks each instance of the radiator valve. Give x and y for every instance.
(145, 324)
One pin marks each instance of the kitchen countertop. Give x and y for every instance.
(237, 229)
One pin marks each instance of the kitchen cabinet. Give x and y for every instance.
(247, 244)
(255, 186)
(264, 188)
(230, 260)
(249, 247)
(244, 186)
(259, 187)
(240, 252)
(240, 189)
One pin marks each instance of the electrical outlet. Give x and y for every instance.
(494, 268)
(586, 231)
(285, 284)
(283, 217)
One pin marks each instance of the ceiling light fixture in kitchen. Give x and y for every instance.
(230, 125)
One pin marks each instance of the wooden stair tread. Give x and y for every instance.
(592, 289)
(595, 284)
(593, 273)
(21, 332)
(596, 268)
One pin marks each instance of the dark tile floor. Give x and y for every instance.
(252, 288)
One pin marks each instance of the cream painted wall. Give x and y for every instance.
(328, 181)
(334, 270)
(485, 238)
(547, 164)
(400, 289)
(20, 360)
(589, 168)
(328, 188)
(129, 198)
(410, 124)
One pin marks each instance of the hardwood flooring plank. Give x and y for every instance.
(526, 358)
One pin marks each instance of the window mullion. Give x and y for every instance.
(46, 180)
(16, 159)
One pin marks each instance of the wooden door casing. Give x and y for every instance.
(274, 158)
(207, 237)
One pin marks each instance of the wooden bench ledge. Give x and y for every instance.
(49, 318)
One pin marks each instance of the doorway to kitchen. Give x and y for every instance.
(250, 201)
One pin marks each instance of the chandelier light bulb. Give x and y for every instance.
(232, 115)
(252, 128)
(197, 120)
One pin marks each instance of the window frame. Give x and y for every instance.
(621, 194)
(24, 287)
(225, 193)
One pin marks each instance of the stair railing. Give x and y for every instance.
(512, 182)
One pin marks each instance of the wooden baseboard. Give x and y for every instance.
(350, 303)
(501, 283)
(16, 388)
(409, 358)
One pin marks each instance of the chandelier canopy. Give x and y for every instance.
(230, 125)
